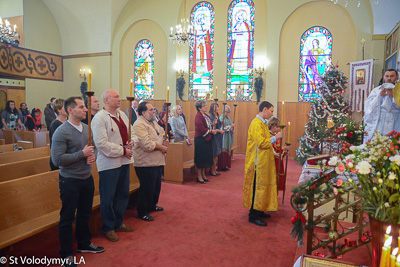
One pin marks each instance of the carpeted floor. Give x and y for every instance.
(202, 225)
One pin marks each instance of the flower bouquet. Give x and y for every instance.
(351, 132)
(376, 165)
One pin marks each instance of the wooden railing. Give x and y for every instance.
(338, 229)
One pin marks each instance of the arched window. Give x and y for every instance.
(201, 52)
(144, 70)
(239, 80)
(315, 57)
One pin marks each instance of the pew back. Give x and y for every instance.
(14, 156)
(24, 168)
(180, 156)
(28, 206)
(10, 147)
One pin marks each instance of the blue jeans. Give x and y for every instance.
(76, 195)
(114, 196)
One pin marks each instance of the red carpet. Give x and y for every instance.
(202, 225)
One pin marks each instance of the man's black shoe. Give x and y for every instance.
(69, 262)
(265, 215)
(258, 222)
(158, 208)
(91, 248)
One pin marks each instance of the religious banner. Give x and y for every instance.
(26, 63)
(360, 83)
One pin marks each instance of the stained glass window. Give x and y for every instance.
(144, 70)
(239, 81)
(201, 52)
(315, 57)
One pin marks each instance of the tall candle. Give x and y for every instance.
(288, 140)
(385, 256)
(130, 89)
(224, 95)
(393, 257)
(216, 92)
(388, 230)
(398, 261)
(167, 94)
(90, 81)
(283, 111)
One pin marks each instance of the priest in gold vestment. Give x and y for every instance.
(259, 190)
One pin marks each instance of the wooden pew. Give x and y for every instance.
(10, 147)
(14, 156)
(12, 137)
(180, 156)
(23, 168)
(28, 206)
(39, 139)
(32, 204)
(2, 141)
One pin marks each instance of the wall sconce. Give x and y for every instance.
(259, 70)
(180, 73)
(82, 73)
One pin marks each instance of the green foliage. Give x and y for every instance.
(180, 85)
(258, 87)
(84, 88)
(298, 232)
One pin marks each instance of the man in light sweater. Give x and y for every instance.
(71, 153)
(110, 134)
(149, 154)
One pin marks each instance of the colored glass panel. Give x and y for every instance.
(201, 52)
(144, 70)
(315, 57)
(239, 81)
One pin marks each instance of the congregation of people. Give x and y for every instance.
(114, 153)
(115, 150)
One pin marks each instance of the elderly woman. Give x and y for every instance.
(10, 117)
(224, 160)
(178, 125)
(203, 151)
(217, 141)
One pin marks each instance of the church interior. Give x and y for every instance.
(136, 47)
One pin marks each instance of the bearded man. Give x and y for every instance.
(149, 158)
(381, 111)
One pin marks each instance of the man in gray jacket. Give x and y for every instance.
(71, 153)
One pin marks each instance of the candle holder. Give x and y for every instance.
(216, 100)
(259, 71)
(82, 74)
(180, 73)
(89, 94)
(130, 99)
(167, 105)
(284, 182)
(234, 112)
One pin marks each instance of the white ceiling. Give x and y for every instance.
(386, 15)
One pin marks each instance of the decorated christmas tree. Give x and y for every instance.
(327, 111)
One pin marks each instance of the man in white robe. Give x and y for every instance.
(381, 111)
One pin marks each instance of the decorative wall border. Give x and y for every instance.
(26, 63)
